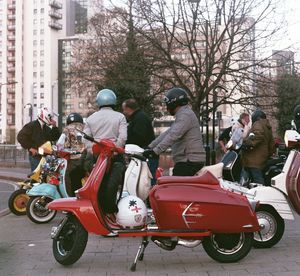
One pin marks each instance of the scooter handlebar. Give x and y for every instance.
(137, 156)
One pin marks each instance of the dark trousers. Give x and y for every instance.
(112, 181)
(255, 174)
(153, 165)
(187, 168)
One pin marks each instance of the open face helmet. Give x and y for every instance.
(45, 115)
(74, 118)
(132, 212)
(106, 97)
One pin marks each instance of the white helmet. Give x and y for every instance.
(132, 212)
(45, 115)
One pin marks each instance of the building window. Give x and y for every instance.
(34, 42)
(35, 11)
(42, 73)
(42, 53)
(35, 63)
(42, 63)
(34, 32)
(34, 74)
(42, 21)
(42, 42)
(42, 85)
(42, 31)
(34, 21)
(42, 95)
(35, 53)
(42, 10)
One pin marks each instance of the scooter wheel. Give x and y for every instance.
(228, 248)
(70, 243)
(17, 202)
(37, 211)
(272, 227)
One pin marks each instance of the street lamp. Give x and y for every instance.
(30, 110)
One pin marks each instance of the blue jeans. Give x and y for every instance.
(256, 175)
(34, 161)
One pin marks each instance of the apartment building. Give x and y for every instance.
(29, 33)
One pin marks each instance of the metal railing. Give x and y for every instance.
(12, 154)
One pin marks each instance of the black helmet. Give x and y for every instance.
(74, 118)
(297, 113)
(257, 114)
(176, 97)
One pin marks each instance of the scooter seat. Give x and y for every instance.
(205, 177)
(293, 182)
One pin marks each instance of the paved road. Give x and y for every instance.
(25, 249)
(6, 188)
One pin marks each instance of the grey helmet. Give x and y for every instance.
(257, 115)
(106, 97)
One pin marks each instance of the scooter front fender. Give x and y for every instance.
(277, 199)
(83, 210)
(44, 189)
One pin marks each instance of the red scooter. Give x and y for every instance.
(185, 211)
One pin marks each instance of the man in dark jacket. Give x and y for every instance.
(36, 133)
(258, 147)
(140, 131)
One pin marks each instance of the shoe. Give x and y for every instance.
(111, 221)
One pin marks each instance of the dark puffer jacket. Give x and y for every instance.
(261, 146)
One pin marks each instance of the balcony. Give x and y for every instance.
(10, 90)
(55, 4)
(11, 101)
(11, 6)
(11, 111)
(11, 58)
(11, 16)
(55, 25)
(11, 27)
(55, 14)
(11, 48)
(11, 69)
(11, 80)
(11, 37)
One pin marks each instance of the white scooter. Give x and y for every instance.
(277, 202)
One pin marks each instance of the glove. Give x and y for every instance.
(149, 153)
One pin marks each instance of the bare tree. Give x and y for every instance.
(208, 47)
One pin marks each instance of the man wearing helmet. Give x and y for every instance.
(184, 136)
(108, 124)
(258, 147)
(71, 139)
(36, 133)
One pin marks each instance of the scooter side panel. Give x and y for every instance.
(272, 196)
(44, 189)
(193, 206)
(83, 210)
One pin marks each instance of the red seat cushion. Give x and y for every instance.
(205, 178)
(293, 182)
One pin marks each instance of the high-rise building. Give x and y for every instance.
(29, 40)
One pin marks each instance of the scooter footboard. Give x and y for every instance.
(83, 210)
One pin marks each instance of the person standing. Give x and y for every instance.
(240, 130)
(36, 133)
(184, 136)
(259, 147)
(140, 131)
(108, 124)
